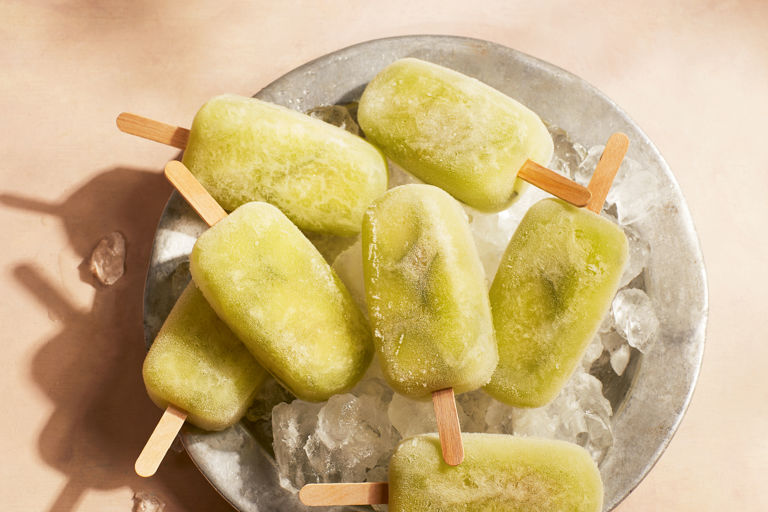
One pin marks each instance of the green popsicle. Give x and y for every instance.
(499, 473)
(426, 293)
(453, 131)
(554, 285)
(322, 177)
(198, 365)
(269, 284)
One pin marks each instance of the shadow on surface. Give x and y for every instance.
(91, 367)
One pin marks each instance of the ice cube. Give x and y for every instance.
(568, 155)
(639, 253)
(594, 350)
(107, 262)
(607, 324)
(411, 417)
(618, 351)
(292, 424)
(348, 438)
(348, 265)
(584, 171)
(579, 414)
(634, 192)
(492, 231)
(490, 244)
(634, 318)
(635, 196)
(374, 384)
(472, 407)
(337, 115)
(147, 502)
(620, 359)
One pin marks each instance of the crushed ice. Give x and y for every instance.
(349, 438)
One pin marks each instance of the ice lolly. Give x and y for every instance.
(426, 293)
(459, 134)
(427, 301)
(198, 371)
(243, 149)
(554, 285)
(270, 285)
(499, 473)
(197, 364)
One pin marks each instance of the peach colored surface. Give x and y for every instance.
(693, 74)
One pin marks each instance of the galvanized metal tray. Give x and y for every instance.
(649, 402)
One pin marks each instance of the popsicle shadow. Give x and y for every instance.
(91, 368)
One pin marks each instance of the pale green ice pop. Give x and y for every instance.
(499, 473)
(322, 177)
(270, 285)
(199, 366)
(426, 293)
(453, 131)
(554, 285)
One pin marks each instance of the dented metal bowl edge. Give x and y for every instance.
(664, 378)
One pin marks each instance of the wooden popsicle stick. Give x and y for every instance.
(195, 194)
(160, 441)
(448, 428)
(554, 183)
(606, 170)
(153, 130)
(367, 493)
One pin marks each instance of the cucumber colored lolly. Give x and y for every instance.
(269, 284)
(499, 473)
(198, 365)
(322, 177)
(426, 293)
(554, 285)
(453, 131)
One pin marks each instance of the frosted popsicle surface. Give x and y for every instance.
(197, 364)
(322, 177)
(453, 131)
(426, 293)
(555, 284)
(280, 297)
(499, 473)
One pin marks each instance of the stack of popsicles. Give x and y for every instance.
(271, 302)
(264, 300)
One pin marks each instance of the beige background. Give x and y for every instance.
(693, 74)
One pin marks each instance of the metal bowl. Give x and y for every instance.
(649, 402)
